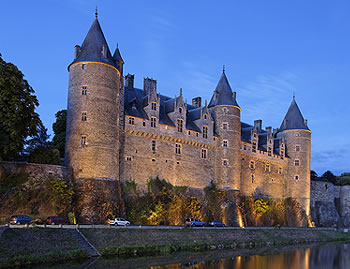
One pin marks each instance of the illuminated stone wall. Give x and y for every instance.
(99, 158)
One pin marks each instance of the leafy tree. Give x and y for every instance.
(313, 175)
(18, 118)
(59, 129)
(329, 176)
(41, 150)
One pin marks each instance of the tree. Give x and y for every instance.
(313, 175)
(18, 118)
(41, 150)
(329, 176)
(59, 129)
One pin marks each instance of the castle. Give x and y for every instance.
(118, 132)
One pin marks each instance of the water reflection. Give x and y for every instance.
(325, 256)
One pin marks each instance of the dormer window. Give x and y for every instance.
(180, 125)
(205, 131)
(282, 154)
(154, 106)
(254, 135)
(180, 110)
(254, 146)
(269, 151)
(270, 141)
(205, 116)
(267, 168)
(153, 122)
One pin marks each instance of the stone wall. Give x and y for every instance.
(330, 205)
(35, 171)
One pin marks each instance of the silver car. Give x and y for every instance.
(119, 222)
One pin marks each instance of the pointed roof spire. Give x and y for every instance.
(96, 13)
(223, 93)
(117, 56)
(223, 69)
(293, 119)
(93, 46)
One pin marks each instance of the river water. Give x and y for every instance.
(325, 256)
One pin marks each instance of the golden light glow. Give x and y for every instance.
(292, 130)
(240, 219)
(240, 109)
(95, 63)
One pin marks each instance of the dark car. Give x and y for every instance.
(216, 223)
(56, 220)
(21, 219)
(193, 222)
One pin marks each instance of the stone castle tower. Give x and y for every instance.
(122, 133)
(93, 131)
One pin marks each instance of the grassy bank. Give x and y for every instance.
(34, 245)
(39, 245)
(128, 242)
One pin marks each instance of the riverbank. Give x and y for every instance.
(39, 245)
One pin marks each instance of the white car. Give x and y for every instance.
(119, 221)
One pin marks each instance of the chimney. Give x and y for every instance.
(76, 51)
(104, 51)
(129, 81)
(268, 129)
(149, 85)
(257, 124)
(197, 102)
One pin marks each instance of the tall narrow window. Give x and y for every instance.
(244, 146)
(84, 90)
(280, 170)
(178, 148)
(252, 165)
(84, 116)
(267, 168)
(297, 148)
(296, 162)
(180, 125)
(205, 116)
(83, 140)
(180, 110)
(83, 66)
(153, 146)
(224, 125)
(154, 106)
(131, 120)
(296, 177)
(269, 151)
(252, 178)
(204, 153)
(282, 154)
(254, 146)
(153, 122)
(205, 131)
(224, 143)
(224, 162)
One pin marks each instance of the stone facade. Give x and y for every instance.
(129, 133)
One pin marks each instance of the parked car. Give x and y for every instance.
(119, 221)
(56, 220)
(216, 223)
(193, 222)
(21, 219)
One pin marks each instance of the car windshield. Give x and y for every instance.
(122, 219)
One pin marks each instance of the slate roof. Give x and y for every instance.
(117, 56)
(91, 49)
(223, 93)
(293, 119)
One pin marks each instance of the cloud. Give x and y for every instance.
(267, 97)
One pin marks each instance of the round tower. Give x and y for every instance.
(93, 110)
(227, 116)
(297, 145)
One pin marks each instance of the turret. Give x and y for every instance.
(297, 138)
(93, 111)
(227, 114)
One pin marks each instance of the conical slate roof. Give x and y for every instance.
(293, 119)
(223, 94)
(117, 56)
(91, 49)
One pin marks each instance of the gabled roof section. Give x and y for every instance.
(293, 119)
(223, 93)
(91, 49)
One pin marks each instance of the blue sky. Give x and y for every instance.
(270, 49)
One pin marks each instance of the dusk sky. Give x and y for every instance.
(270, 49)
